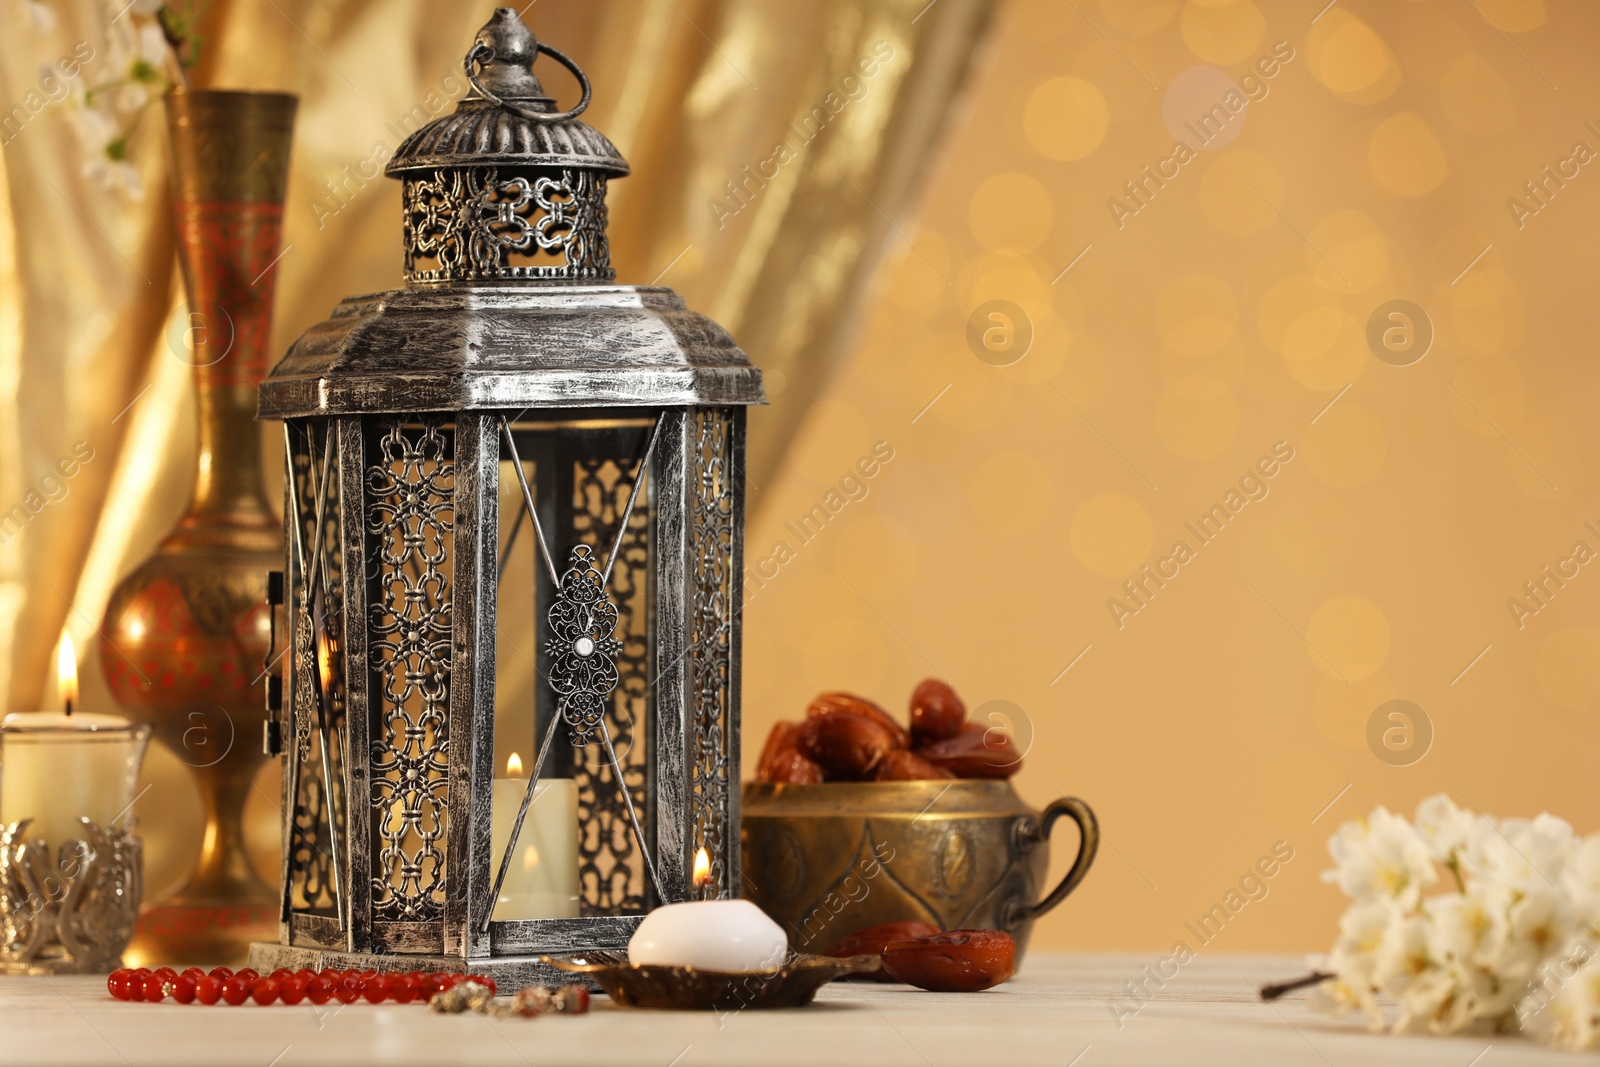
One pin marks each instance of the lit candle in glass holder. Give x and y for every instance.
(542, 881)
(57, 768)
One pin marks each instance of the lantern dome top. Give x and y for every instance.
(506, 119)
(510, 299)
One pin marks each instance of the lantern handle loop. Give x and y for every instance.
(481, 53)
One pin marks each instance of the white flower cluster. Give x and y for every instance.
(1467, 923)
(106, 107)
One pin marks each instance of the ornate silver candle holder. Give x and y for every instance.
(67, 908)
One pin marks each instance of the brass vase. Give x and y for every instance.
(186, 632)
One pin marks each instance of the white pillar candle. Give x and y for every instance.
(56, 769)
(542, 881)
(732, 936)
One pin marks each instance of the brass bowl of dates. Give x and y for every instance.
(793, 985)
(855, 821)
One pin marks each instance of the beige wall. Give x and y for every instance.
(1217, 320)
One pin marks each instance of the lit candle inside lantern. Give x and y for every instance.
(325, 670)
(542, 882)
(56, 768)
(709, 935)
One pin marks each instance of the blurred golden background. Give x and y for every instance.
(1300, 288)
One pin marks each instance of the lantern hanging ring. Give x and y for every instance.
(481, 53)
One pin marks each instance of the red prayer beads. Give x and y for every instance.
(320, 989)
(292, 990)
(120, 984)
(195, 985)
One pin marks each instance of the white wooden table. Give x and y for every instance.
(1055, 1013)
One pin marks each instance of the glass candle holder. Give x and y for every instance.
(57, 769)
(70, 865)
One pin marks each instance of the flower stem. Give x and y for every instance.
(178, 31)
(1273, 992)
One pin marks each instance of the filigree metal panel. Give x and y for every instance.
(311, 880)
(612, 878)
(711, 537)
(410, 489)
(463, 225)
(305, 683)
(583, 652)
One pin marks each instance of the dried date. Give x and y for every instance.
(903, 766)
(872, 940)
(792, 767)
(847, 745)
(785, 737)
(959, 961)
(936, 712)
(860, 706)
(975, 752)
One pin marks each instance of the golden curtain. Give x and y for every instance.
(769, 165)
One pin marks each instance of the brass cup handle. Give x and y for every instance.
(1033, 835)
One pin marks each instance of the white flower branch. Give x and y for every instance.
(1510, 947)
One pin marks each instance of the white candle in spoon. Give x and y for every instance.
(709, 935)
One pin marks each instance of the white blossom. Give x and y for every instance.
(1510, 937)
(1355, 959)
(106, 117)
(41, 14)
(1571, 1019)
(94, 128)
(1444, 827)
(115, 175)
(142, 58)
(1383, 856)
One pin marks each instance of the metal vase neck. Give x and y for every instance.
(230, 164)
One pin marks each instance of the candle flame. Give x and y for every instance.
(702, 869)
(514, 766)
(67, 671)
(530, 858)
(324, 660)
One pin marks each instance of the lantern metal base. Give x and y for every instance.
(67, 907)
(510, 973)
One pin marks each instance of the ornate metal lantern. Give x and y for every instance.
(514, 527)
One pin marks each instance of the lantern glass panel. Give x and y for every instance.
(577, 853)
